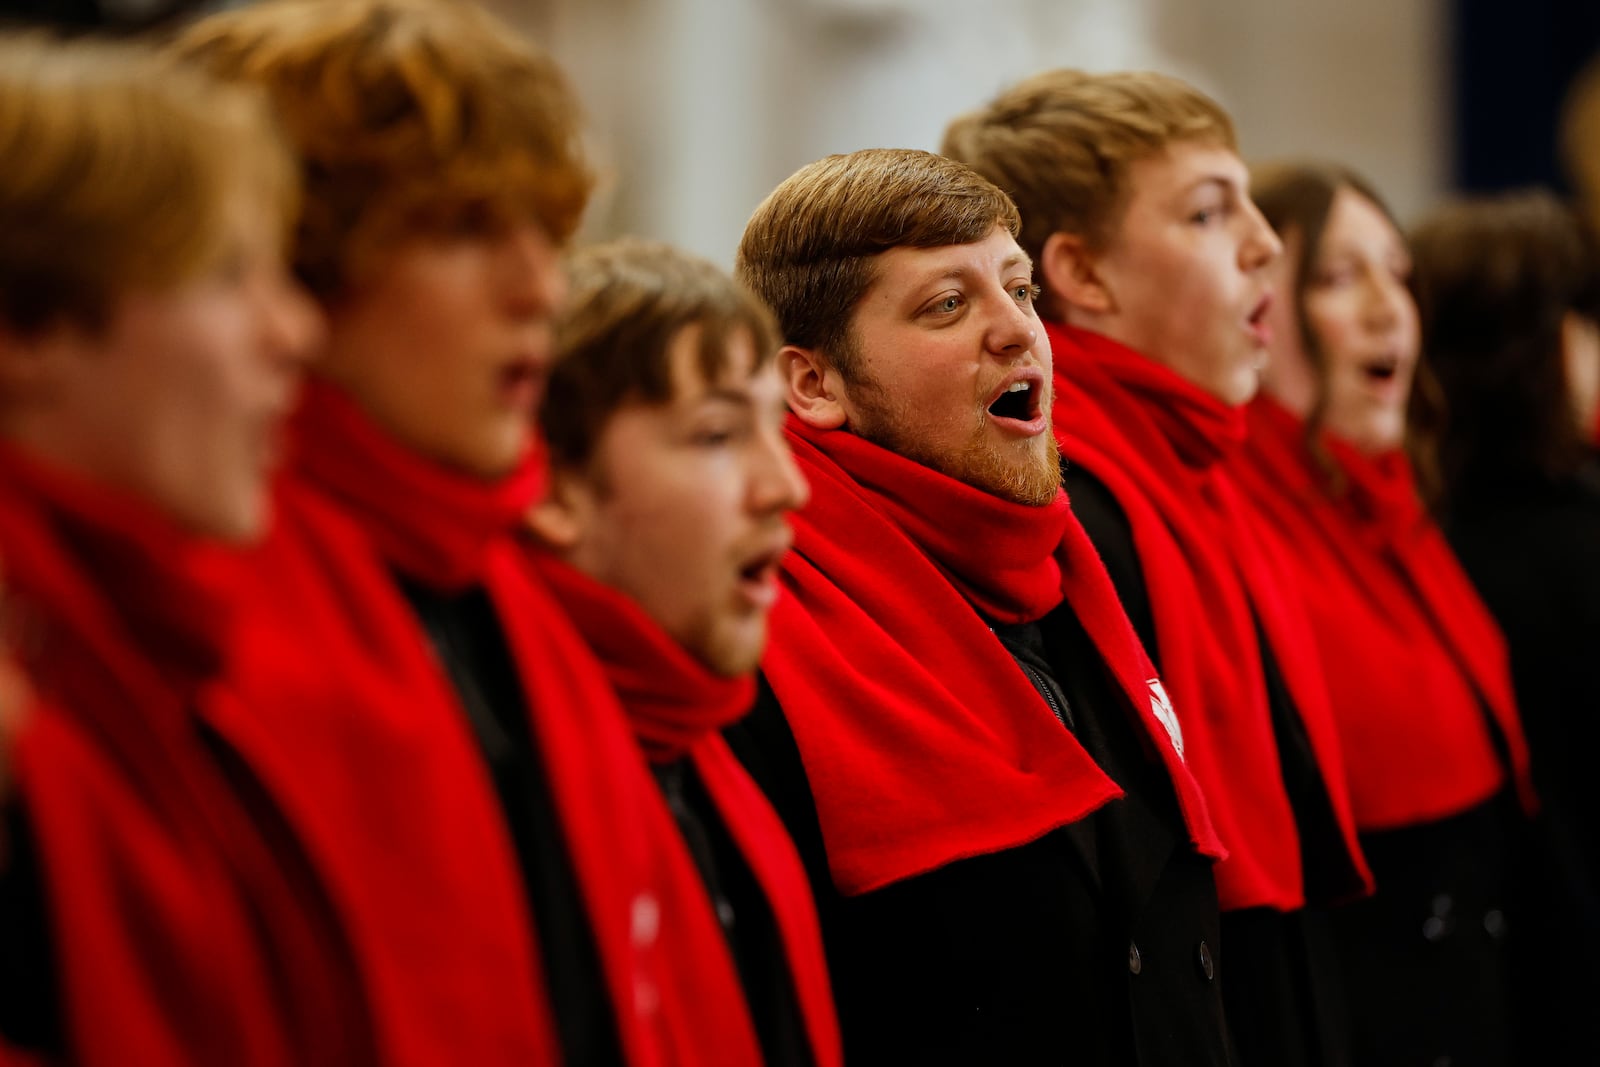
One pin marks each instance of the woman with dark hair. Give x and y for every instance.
(1510, 295)
(1421, 692)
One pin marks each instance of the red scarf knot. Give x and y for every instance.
(432, 523)
(1202, 428)
(922, 741)
(672, 700)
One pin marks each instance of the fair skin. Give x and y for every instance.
(1580, 353)
(956, 368)
(1364, 322)
(684, 505)
(447, 345)
(1183, 277)
(181, 398)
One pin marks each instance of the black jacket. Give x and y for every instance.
(1096, 944)
(1284, 990)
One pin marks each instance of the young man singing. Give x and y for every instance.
(511, 881)
(671, 487)
(1152, 261)
(958, 725)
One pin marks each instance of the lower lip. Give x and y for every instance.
(1260, 332)
(521, 390)
(1022, 428)
(760, 593)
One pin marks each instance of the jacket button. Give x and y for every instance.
(1135, 962)
(1202, 956)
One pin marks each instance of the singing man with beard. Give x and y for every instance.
(956, 722)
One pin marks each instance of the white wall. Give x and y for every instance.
(700, 107)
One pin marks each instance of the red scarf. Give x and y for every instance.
(923, 742)
(1156, 441)
(678, 708)
(345, 694)
(180, 933)
(1413, 656)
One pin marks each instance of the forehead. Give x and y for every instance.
(1183, 166)
(1354, 221)
(735, 362)
(906, 268)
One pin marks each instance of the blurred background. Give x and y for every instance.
(699, 107)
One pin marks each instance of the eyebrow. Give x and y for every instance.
(1011, 262)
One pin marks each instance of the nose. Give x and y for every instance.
(292, 322)
(1388, 302)
(1261, 244)
(535, 283)
(776, 484)
(1014, 330)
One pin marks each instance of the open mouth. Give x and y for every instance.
(522, 383)
(1382, 369)
(758, 577)
(1020, 401)
(1256, 321)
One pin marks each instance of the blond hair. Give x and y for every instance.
(1061, 144)
(120, 170)
(810, 247)
(412, 116)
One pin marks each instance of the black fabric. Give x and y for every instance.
(1532, 548)
(1284, 991)
(466, 635)
(1429, 955)
(1023, 956)
(29, 1009)
(745, 915)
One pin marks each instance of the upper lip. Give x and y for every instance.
(1032, 375)
(1259, 309)
(767, 550)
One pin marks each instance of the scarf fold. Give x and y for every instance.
(433, 524)
(1162, 448)
(678, 708)
(153, 861)
(673, 702)
(1414, 658)
(342, 701)
(922, 741)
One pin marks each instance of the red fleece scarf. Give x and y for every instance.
(1156, 441)
(358, 723)
(923, 742)
(678, 709)
(180, 933)
(1413, 656)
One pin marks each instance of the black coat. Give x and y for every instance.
(1284, 989)
(1096, 944)
(1532, 548)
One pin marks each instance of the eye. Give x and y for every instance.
(948, 304)
(1026, 294)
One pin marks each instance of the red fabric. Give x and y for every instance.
(181, 933)
(1156, 442)
(923, 742)
(1411, 651)
(677, 708)
(361, 730)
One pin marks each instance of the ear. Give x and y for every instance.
(813, 391)
(561, 520)
(1069, 271)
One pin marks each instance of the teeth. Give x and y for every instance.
(1018, 387)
